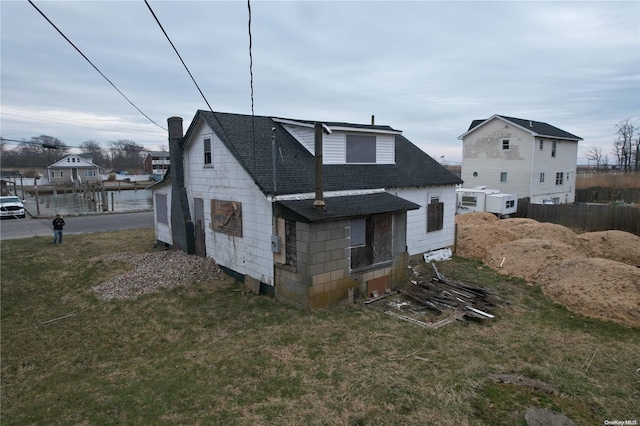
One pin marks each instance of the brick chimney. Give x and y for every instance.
(182, 229)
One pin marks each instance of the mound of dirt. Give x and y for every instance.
(614, 245)
(529, 228)
(594, 287)
(474, 241)
(525, 257)
(476, 218)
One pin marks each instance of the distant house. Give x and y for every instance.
(524, 157)
(73, 169)
(311, 229)
(156, 163)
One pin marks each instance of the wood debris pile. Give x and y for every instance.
(437, 302)
(442, 294)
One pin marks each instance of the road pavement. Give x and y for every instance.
(40, 226)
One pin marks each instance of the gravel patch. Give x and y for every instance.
(153, 271)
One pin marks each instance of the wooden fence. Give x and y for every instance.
(584, 217)
(599, 194)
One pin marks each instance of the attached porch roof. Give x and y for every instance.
(349, 206)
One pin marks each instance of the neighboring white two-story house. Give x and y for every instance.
(312, 229)
(524, 157)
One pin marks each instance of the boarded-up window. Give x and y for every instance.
(377, 247)
(361, 149)
(226, 217)
(290, 243)
(161, 209)
(435, 215)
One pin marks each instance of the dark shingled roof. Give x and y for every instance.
(542, 129)
(349, 206)
(295, 166)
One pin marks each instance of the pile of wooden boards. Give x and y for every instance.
(442, 294)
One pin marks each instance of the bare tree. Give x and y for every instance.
(98, 154)
(41, 151)
(596, 156)
(126, 154)
(623, 146)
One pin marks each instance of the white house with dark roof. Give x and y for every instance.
(312, 229)
(524, 157)
(73, 168)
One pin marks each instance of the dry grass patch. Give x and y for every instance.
(608, 180)
(209, 353)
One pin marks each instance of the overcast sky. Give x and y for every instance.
(426, 68)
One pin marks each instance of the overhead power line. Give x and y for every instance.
(91, 63)
(253, 127)
(196, 84)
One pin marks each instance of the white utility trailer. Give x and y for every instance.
(481, 199)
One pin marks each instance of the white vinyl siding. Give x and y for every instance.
(335, 144)
(227, 180)
(304, 135)
(163, 229)
(386, 153)
(418, 240)
(334, 148)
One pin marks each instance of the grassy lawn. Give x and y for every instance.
(209, 353)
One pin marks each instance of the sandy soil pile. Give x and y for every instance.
(525, 257)
(529, 228)
(614, 245)
(595, 287)
(593, 274)
(479, 218)
(474, 241)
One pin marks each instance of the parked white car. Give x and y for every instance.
(11, 206)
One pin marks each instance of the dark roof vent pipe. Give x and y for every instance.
(319, 201)
(273, 157)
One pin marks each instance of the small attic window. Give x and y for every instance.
(207, 151)
(505, 143)
(361, 149)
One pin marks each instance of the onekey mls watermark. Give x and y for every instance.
(627, 422)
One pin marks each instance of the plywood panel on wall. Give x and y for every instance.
(226, 217)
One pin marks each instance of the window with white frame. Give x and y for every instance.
(559, 178)
(361, 149)
(503, 177)
(505, 143)
(541, 144)
(207, 151)
(542, 177)
(57, 173)
(90, 173)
